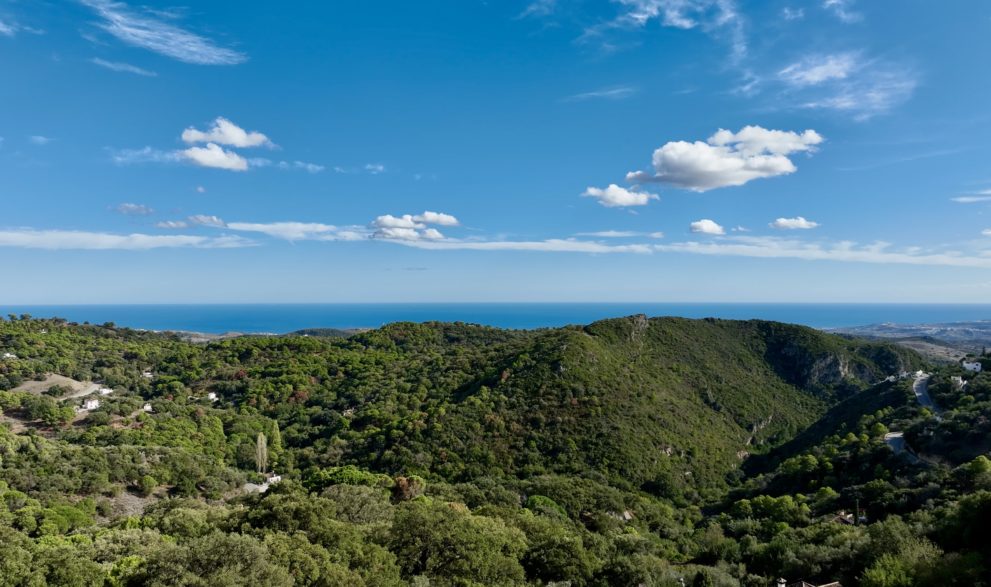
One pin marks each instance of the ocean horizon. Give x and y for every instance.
(283, 318)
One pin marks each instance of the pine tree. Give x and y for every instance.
(261, 453)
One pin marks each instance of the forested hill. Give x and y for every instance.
(607, 454)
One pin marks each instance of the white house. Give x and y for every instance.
(974, 366)
(105, 391)
(211, 396)
(958, 382)
(91, 404)
(148, 375)
(147, 408)
(9, 356)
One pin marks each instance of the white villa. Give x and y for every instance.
(91, 404)
(105, 391)
(147, 408)
(148, 375)
(974, 366)
(9, 356)
(211, 396)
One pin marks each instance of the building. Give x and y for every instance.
(105, 391)
(958, 382)
(148, 375)
(147, 408)
(211, 396)
(91, 404)
(9, 356)
(974, 366)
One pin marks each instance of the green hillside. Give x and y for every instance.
(629, 451)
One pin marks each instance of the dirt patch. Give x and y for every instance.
(76, 388)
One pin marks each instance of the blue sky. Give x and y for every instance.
(568, 150)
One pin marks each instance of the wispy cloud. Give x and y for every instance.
(621, 234)
(846, 82)
(539, 8)
(844, 251)
(40, 140)
(548, 246)
(151, 31)
(720, 18)
(976, 198)
(305, 166)
(7, 29)
(843, 10)
(616, 93)
(144, 155)
(56, 240)
(129, 209)
(122, 67)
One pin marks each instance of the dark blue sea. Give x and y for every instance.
(282, 318)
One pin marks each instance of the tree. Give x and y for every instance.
(261, 453)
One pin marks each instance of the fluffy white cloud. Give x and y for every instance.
(727, 158)
(615, 196)
(225, 132)
(130, 209)
(706, 226)
(122, 67)
(817, 69)
(148, 31)
(77, 239)
(796, 223)
(215, 156)
(285, 230)
(411, 228)
(438, 218)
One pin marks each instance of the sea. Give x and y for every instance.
(284, 318)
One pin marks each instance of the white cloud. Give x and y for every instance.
(720, 18)
(145, 155)
(844, 251)
(986, 232)
(796, 223)
(875, 92)
(291, 231)
(617, 93)
(549, 245)
(539, 8)
(789, 13)
(843, 10)
(171, 224)
(706, 226)
(40, 140)
(615, 196)
(134, 209)
(374, 168)
(308, 167)
(76, 239)
(148, 31)
(213, 155)
(438, 218)
(225, 132)
(410, 228)
(122, 67)
(612, 234)
(7, 29)
(983, 196)
(200, 189)
(206, 220)
(728, 159)
(817, 69)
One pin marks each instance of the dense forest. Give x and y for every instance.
(633, 451)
